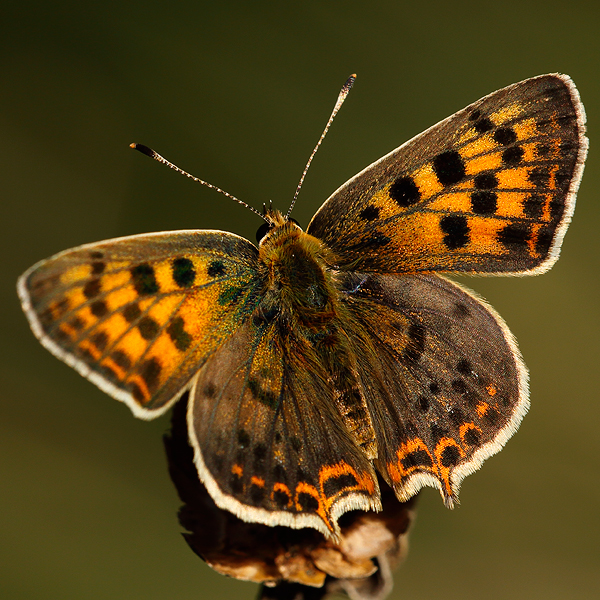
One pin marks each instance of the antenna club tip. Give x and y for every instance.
(348, 85)
(143, 149)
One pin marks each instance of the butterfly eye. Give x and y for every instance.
(263, 230)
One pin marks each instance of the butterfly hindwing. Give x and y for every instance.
(491, 189)
(139, 315)
(268, 444)
(444, 378)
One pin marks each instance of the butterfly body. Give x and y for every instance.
(296, 272)
(321, 360)
(302, 295)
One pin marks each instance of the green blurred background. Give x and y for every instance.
(237, 93)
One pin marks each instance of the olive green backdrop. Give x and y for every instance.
(238, 92)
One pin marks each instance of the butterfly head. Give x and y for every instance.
(275, 222)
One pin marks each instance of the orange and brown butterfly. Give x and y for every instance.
(318, 360)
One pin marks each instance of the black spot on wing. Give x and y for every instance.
(335, 485)
(150, 372)
(179, 336)
(257, 494)
(544, 241)
(514, 236)
(457, 418)
(144, 279)
(100, 340)
(279, 473)
(492, 416)
(243, 438)
(533, 206)
(461, 310)
(280, 498)
(295, 442)
(484, 202)
(132, 312)
(543, 150)
(456, 229)
(449, 167)
(77, 323)
(91, 288)
(183, 272)
(459, 386)
(405, 191)
(370, 213)
(513, 155)
(265, 396)
(216, 268)
(423, 404)
(260, 453)
(505, 136)
(137, 393)
(463, 366)
(418, 458)
(483, 125)
(148, 328)
(121, 359)
(236, 484)
(450, 456)
(437, 432)
(99, 308)
(98, 267)
(485, 181)
(307, 502)
(472, 437)
(209, 390)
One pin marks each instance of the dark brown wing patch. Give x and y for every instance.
(268, 444)
(443, 376)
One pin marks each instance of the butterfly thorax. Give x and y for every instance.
(296, 273)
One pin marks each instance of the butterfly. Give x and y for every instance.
(317, 361)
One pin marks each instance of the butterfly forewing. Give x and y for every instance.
(268, 444)
(489, 190)
(139, 315)
(444, 379)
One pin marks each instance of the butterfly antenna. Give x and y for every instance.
(156, 156)
(342, 96)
